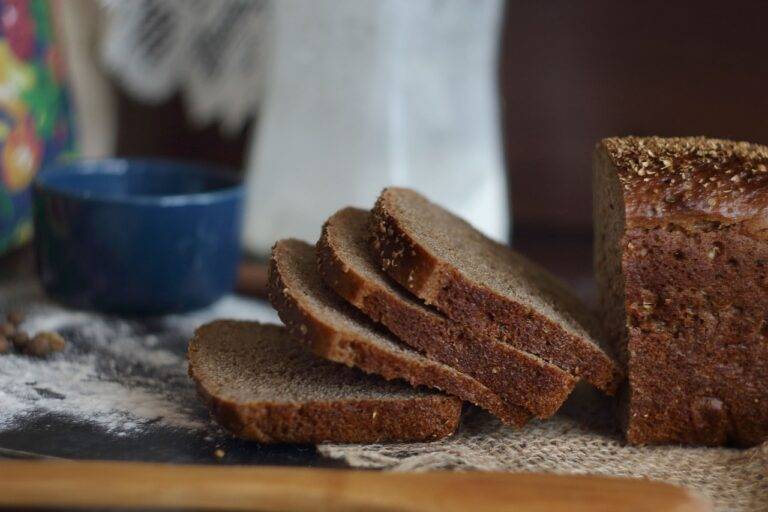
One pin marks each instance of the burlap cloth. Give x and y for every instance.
(582, 438)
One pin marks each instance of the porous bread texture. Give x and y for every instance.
(336, 331)
(347, 266)
(682, 268)
(259, 384)
(486, 286)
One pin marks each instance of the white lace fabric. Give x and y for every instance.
(582, 439)
(211, 52)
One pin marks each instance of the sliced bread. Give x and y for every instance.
(347, 266)
(486, 286)
(261, 385)
(336, 331)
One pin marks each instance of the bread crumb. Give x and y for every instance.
(44, 344)
(5, 345)
(20, 339)
(7, 329)
(15, 317)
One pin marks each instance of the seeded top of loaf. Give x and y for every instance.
(250, 362)
(679, 177)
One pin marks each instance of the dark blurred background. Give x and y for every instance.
(574, 72)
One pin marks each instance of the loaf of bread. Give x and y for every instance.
(260, 384)
(487, 287)
(348, 267)
(336, 331)
(681, 260)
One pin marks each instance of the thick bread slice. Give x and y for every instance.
(336, 331)
(261, 385)
(487, 286)
(347, 265)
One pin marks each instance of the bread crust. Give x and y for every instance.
(339, 421)
(480, 309)
(695, 287)
(519, 378)
(335, 343)
(690, 181)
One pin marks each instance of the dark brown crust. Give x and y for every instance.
(481, 310)
(345, 421)
(695, 309)
(335, 344)
(519, 378)
(690, 180)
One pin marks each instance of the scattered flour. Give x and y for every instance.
(74, 387)
(122, 375)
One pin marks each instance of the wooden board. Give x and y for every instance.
(142, 485)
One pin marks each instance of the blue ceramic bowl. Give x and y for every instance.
(137, 236)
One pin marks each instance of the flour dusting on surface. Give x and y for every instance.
(121, 375)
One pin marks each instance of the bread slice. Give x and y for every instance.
(261, 385)
(486, 286)
(338, 332)
(347, 265)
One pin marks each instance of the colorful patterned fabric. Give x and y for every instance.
(35, 118)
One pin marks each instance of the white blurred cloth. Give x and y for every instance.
(369, 93)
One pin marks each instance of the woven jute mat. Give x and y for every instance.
(583, 438)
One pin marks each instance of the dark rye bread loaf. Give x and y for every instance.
(259, 384)
(486, 286)
(681, 260)
(334, 330)
(346, 265)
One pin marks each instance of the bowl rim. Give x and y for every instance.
(120, 166)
